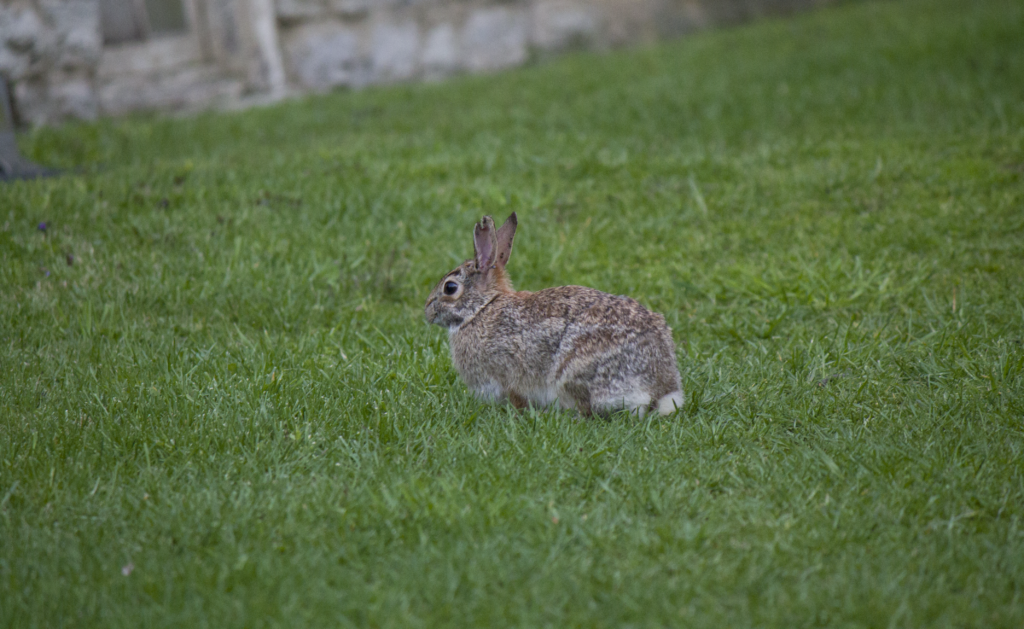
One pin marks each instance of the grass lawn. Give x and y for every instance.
(221, 406)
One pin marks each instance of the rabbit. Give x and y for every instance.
(572, 346)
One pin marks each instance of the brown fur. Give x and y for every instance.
(571, 345)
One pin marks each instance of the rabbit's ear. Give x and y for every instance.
(484, 243)
(504, 238)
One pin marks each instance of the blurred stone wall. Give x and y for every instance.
(234, 52)
(49, 51)
(327, 43)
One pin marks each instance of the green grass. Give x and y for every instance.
(232, 389)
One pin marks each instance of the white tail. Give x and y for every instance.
(670, 403)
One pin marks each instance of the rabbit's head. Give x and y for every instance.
(464, 291)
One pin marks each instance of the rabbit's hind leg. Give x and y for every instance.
(517, 401)
(576, 395)
(635, 401)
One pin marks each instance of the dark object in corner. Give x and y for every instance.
(12, 164)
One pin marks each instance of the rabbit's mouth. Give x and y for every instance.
(438, 316)
(430, 311)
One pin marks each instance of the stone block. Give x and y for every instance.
(77, 23)
(290, 11)
(564, 24)
(362, 8)
(49, 99)
(323, 55)
(494, 38)
(159, 56)
(13, 65)
(188, 89)
(72, 96)
(22, 30)
(31, 102)
(350, 8)
(395, 49)
(440, 52)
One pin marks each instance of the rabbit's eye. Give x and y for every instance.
(450, 288)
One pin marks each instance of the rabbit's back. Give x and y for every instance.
(581, 347)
